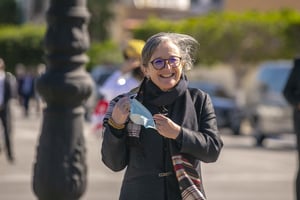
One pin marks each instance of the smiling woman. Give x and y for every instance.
(165, 56)
(162, 163)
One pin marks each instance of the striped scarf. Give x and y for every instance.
(188, 179)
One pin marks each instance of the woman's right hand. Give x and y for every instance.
(121, 111)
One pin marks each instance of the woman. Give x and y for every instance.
(163, 163)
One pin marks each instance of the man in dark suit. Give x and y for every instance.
(8, 90)
(292, 95)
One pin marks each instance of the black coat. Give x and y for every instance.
(142, 180)
(292, 88)
(10, 89)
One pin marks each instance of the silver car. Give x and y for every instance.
(229, 113)
(269, 113)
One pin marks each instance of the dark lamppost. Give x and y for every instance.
(60, 170)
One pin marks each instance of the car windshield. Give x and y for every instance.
(274, 77)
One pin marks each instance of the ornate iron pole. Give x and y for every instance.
(60, 170)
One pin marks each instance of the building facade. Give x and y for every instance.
(260, 5)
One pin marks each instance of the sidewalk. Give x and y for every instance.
(15, 179)
(242, 171)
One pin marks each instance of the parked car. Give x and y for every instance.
(229, 113)
(268, 112)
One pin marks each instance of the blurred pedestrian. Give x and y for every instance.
(129, 75)
(292, 94)
(162, 162)
(122, 80)
(8, 91)
(26, 89)
(20, 73)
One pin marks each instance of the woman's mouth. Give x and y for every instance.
(167, 75)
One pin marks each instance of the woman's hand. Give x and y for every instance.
(121, 111)
(166, 127)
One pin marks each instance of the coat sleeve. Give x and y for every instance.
(114, 150)
(291, 90)
(204, 144)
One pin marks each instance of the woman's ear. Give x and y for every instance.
(183, 63)
(145, 71)
(184, 66)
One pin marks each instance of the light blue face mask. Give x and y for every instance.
(139, 114)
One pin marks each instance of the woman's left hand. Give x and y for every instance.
(166, 127)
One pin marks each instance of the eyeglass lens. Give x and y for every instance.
(160, 63)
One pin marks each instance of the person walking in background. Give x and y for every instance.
(129, 75)
(162, 151)
(26, 89)
(20, 72)
(122, 80)
(291, 92)
(8, 91)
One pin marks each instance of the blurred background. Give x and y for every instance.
(246, 53)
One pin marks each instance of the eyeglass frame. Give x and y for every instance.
(165, 62)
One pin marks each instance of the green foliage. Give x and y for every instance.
(152, 26)
(236, 37)
(107, 52)
(8, 12)
(232, 38)
(21, 44)
(24, 44)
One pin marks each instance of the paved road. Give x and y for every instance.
(243, 172)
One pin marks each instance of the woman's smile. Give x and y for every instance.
(167, 76)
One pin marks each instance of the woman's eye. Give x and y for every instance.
(172, 60)
(158, 62)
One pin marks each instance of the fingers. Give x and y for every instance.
(121, 110)
(123, 105)
(166, 127)
(160, 121)
(159, 117)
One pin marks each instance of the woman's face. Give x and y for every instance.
(168, 76)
